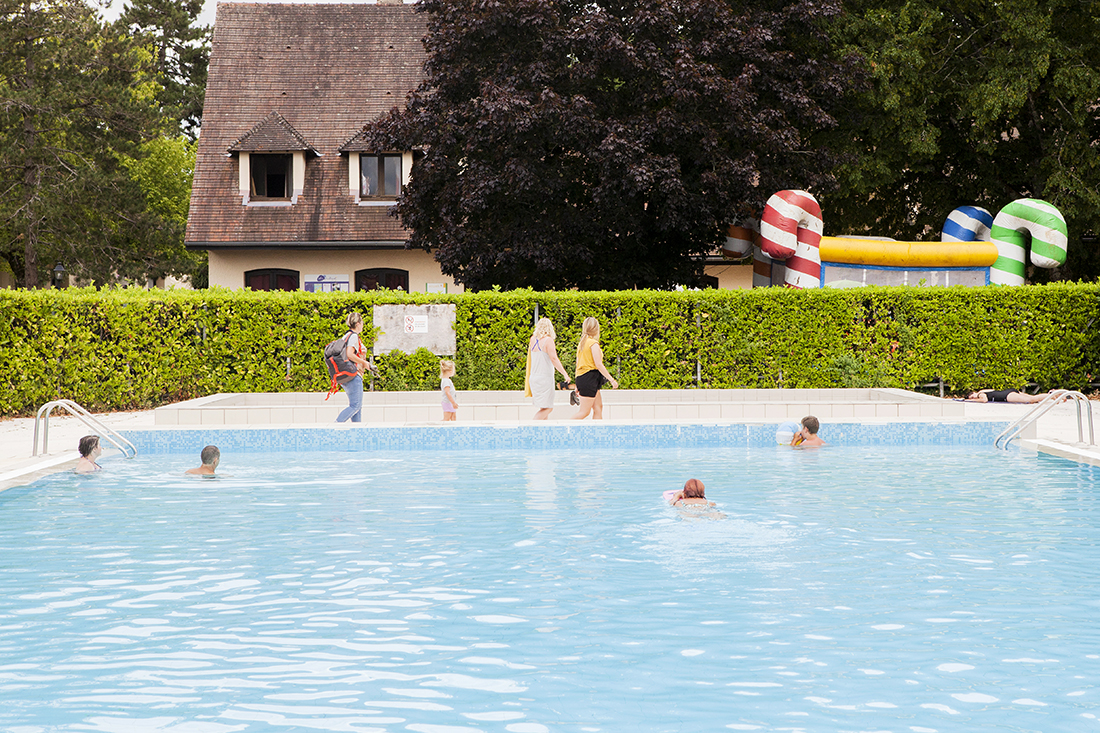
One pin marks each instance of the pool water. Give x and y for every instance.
(873, 589)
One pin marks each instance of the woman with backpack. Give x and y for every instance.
(353, 352)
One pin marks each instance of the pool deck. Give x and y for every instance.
(1056, 433)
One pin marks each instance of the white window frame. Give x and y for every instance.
(297, 173)
(354, 174)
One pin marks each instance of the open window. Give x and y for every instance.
(271, 279)
(270, 176)
(382, 277)
(272, 163)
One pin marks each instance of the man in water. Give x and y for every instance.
(210, 456)
(807, 436)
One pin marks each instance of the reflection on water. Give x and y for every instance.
(542, 591)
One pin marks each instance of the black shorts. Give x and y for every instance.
(589, 383)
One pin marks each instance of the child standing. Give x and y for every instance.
(447, 387)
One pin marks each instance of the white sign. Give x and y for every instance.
(327, 284)
(407, 328)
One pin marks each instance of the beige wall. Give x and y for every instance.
(227, 267)
(731, 277)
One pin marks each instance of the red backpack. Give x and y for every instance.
(341, 369)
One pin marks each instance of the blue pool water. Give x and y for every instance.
(869, 588)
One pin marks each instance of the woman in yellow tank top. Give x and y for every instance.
(591, 373)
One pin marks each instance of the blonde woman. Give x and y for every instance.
(542, 360)
(591, 373)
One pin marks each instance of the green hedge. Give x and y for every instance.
(135, 349)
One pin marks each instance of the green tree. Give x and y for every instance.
(76, 99)
(971, 103)
(163, 171)
(607, 143)
(181, 50)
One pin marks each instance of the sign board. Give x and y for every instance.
(326, 284)
(410, 327)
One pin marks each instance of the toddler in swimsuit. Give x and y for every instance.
(447, 387)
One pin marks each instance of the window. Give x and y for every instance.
(270, 176)
(380, 176)
(271, 279)
(382, 277)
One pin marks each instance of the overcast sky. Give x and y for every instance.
(208, 7)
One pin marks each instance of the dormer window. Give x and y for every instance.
(380, 176)
(271, 176)
(272, 163)
(375, 177)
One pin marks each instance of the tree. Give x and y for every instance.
(607, 144)
(181, 51)
(76, 100)
(972, 103)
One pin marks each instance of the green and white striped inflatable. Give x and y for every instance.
(1021, 220)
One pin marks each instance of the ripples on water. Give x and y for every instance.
(926, 589)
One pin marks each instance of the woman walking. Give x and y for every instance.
(353, 353)
(591, 373)
(542, 360)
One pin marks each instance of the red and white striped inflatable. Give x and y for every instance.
(790, 230)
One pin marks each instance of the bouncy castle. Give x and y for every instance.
(975, 248)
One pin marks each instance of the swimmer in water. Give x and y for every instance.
(211, 457)
(691, 495)
(89, 451)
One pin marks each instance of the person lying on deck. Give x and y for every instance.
(1006, 395)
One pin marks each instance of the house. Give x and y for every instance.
(285, 195)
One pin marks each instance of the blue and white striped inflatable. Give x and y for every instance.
(968, 224)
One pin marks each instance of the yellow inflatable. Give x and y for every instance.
(889, 253)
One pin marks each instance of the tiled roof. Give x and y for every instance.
(323, 69)
(274, 133)
(355, 145)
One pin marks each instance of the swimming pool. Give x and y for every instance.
(866, 588)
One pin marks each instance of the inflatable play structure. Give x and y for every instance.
(975, 247)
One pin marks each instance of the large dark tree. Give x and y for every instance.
(596, 144)
(972, 103)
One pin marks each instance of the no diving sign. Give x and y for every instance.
(416, 324)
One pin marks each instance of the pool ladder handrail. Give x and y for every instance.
(1057, 396)
(124, 446)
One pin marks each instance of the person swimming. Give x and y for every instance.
(90, 450)
(210, 458)
(693, 494)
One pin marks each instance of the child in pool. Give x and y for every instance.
(447, 387)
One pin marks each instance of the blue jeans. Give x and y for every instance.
(354, 410)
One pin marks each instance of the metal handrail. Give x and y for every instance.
(1057, 396)
(127, 448)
